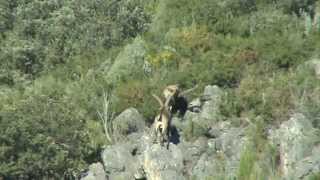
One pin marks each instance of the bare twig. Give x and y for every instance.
(106, 118)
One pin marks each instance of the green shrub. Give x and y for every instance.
(189, 40)
(291, 53)
(48, 126)
(137, 94)
(298, 6)
(314, 176)
(270, 98)
(129, 63)
(247, 162)
(306, 92)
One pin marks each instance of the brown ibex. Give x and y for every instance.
(176, 99)
(162, 122)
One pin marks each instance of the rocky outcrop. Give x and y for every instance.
(309, 165)
(129, 121)
(140, 158)
(296, 139)
(222, 157)
(211, 101)
(124, 160)
(314, 64)
(160, 163)
(203, 158)
(120, 161)
(214, 154)
(206, 109)
(96, 172)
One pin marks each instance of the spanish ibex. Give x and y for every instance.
(176, 99)
(162, 122)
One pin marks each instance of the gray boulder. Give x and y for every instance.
(96, 172)
(233, 142)
(309, 165)
(208, 166)
(209, 113)
(161, 164)
(222, 158)
(192, 152)
(295, 139)
(120, 161)
(195, 105)
(139, 158)
(191, 116)
(129, 121)
(218, 128)
(315, 65)
(211, 98)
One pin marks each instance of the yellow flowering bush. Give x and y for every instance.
(165, 57)
(194, 38)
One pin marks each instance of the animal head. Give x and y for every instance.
(177, 101)
(171, 91)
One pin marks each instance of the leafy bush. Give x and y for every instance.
(129, 62)
(165, 58)
(47, 125)
(269, 98)
(137, 93)
(306, 92)
(41, 30)
(43, 136)
(298, 6)
(314, 176)
(189, 39)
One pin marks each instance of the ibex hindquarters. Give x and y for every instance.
(162, 122)
(161, 130)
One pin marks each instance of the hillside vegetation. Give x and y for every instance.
(58, 59)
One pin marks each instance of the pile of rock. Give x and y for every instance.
(216, 154)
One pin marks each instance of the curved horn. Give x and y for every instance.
(167, 102)
(158, 99)
(188, 90)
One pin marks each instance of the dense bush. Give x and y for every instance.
(42, 134)
(45, 33)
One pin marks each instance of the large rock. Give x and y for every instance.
(209, 113)
(211, 98)
(96, 172)
(204, 158)
(295, 139)
(192, 152)
(315, 65)
(232, 142)
(121, 161)
(129, 121)
(163, 164)
(195, 105)
(139, 158)
(223, 155)
(309, 165)
(208, 166)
